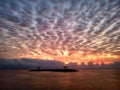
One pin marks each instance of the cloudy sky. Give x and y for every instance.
(63, 30)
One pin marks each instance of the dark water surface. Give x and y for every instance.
(85, 79)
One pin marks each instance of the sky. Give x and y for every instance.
(63, 30)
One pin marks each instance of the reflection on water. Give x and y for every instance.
(85, 79)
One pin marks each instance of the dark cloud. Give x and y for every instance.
(33, 63)
(28, 63)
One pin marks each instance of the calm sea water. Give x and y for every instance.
(85, 79)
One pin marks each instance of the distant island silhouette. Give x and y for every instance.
(65, 69)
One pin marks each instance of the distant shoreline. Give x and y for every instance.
(76, 68)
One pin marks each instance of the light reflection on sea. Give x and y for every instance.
(85, 79)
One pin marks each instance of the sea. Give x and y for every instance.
(85, 79)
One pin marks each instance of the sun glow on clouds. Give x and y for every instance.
(64, 30)
(77, 58)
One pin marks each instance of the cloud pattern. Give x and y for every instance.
(59, 28)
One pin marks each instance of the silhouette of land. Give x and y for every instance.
(65, 69)
(56, 70)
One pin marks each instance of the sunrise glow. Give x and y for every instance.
(66, 31)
